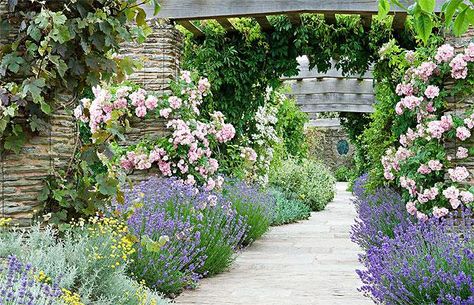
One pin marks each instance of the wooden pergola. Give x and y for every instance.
(314, 92)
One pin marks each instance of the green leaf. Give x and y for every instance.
(384, 8)
(45, 107)
(423, 27)
(157, 6)
(449, 11)
(15, 141)
(141, 17)
(59, 18)
(34, 86)
(461, 23)
(12, 62)
(427, 5)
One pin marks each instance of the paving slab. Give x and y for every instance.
(312, 262)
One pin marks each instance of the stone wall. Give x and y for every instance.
(323, 145)
(459, 105)
(22, 176)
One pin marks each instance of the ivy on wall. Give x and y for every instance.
(59, 48)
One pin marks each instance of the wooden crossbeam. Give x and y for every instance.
(263, 22)
(294, 19)
(336, 86)
(209, 9)
(190, 27)
(225, 23)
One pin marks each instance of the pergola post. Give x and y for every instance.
(459, 105)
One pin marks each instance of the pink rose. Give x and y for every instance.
(151, 102)
(462, 153)
(440, 212)
(458, 174)
(445, 53)
(140, 111)
(467, 197)
(432, 91)
(120, 103)
(435, 165)
(411, 208)
(175, 102)
(165, 112)
(463, 133)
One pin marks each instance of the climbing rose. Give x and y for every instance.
(445, 53)
(175, 102)
(120, 103)
(411, 102)
(435, 165)
(165, 112)
(467, 197)
(151, 102)
(451, 193)
(432, 91)
(424, 169)
(404, 89)
(226, 133)
(458, 174)
(140, 111)
(462, 153)
(425, 70)
(411, 208)
(463, 133)
(458, 67)
(440, 212)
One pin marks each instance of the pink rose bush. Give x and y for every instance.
(187, 153)
(432, 181)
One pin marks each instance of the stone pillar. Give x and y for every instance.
(160, 56)
(460, 104)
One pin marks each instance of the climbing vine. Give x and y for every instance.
(59, 48)
(241, 64)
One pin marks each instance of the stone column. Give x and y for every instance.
(459, 104)
(160, 56)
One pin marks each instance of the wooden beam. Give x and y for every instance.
(209, 9)
(190, 27)
(399, 20)
(294, 19)
(306, 73)
(327, 123)
(340, 108)
(225, 23)
(263, 22)
(315, 86)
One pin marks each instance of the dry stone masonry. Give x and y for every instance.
(22, 176)
(459, 105)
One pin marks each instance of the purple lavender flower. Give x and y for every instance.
(256, 205)
(18, 285)
(379, 213)
(424, 263)
(203, 228)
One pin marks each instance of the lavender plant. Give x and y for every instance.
(255, 204)
(201, 228)
(88, 260)
(379, 214)
(424, 263)
(19, 286)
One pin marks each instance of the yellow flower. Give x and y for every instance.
(70, 298)
(5, 222)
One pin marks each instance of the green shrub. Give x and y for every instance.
(288, 211)
(345, 174)
(308, 181)
(88, 261)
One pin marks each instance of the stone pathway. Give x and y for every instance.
(309, 263)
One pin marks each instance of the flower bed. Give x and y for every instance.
(412, 262)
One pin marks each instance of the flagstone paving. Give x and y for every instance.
(312, 262)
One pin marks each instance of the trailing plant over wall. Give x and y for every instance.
(243, 63)
(186, 153)
(429, 174)
(59, 48)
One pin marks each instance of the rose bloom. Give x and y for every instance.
(445, 53)
(440, 212)
(140, 111)
(458, 174)
(451, 192)
(165, 112)
(462, 153)
(467, 197)
(411, 208)
(151, 102)
(435, 165)
(424, 169)
(463, 133)
(432, 91)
